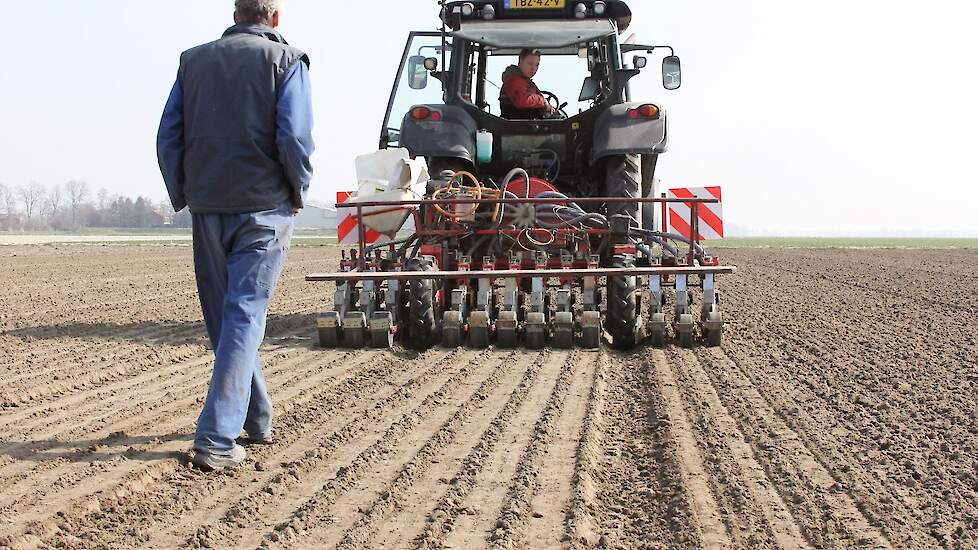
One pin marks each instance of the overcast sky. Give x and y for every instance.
(835, 117)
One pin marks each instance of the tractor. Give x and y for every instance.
(534, 227)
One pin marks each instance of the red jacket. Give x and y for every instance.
(521, 91)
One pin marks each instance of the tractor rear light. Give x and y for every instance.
(424, 113)
(648, 111)
(645, 111)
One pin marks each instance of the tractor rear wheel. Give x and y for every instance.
(623, 179)
(622, 306)
(649, 190)
(421, 309)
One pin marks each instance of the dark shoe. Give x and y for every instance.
(212, 462)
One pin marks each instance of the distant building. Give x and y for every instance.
(320, 216)
(316, 216)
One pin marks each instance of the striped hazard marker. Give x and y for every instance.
(710, 215)
(346, 224)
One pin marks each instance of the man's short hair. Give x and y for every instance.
(528, 52)
(256, 11)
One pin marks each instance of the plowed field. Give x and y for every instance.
(840, 412)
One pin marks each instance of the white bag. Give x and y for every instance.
(389, 175)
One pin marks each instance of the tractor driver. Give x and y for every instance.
(520, 98)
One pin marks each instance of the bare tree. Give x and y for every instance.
(8, 200)
(103, 199)
(77, 195)
(32, 195)
(53, 202)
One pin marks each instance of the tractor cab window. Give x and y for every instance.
(564, 75)
(417, 82)
(571, 52)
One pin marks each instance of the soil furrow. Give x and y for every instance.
(456, 435)
(823, 509)
(871, 488)
(103, 377)
(83, 361)
(582, 527)
(109, 391)
(486, 498)
(753, 510)
(311, 501)
(47, 427)
(551, 505)
(299, 449)
(514, 519)
(889, 411)
(97, 378)
(441, 518)
(80, 476)
(695, 478)
(448, 470)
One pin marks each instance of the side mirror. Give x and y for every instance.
(417, 73)
(590, 89)
(639, 62)
(672, 73)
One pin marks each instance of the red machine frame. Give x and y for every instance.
(356, 268)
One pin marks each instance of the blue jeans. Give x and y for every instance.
(237, 259)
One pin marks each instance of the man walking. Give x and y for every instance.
(234, 145)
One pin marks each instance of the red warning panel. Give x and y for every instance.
(346, 223)
(710, 215)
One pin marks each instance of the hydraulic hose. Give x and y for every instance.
(373, 247)
(526, 177)
(699, 250)
(403, 249)
(644, 249)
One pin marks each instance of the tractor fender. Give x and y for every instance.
(453, 136)
(616, 133)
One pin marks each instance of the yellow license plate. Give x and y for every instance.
(535, 4)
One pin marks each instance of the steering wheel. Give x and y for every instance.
(555, 103)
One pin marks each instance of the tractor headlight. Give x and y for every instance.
(488, 12)
(468, 9)
(600, 7)
(580, 11)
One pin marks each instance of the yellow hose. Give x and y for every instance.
(461, 189)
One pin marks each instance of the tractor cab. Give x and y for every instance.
(448, 106)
